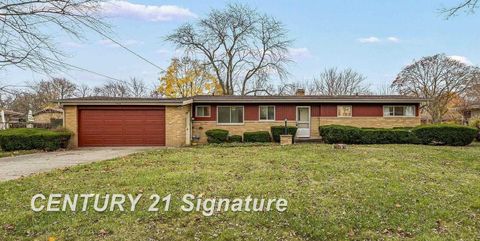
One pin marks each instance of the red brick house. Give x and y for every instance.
(106, 121)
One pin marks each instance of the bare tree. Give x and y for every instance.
(465, 5)
(83, 91)
(132, 88)
(25, 43)
(239, 44)
(55, 88)
(138, 88)
(113, 89)
(386, 90)
(437, 78)
(335, 82)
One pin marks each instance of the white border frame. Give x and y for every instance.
(351, 112)
(309, 119)
(274, 113)
(209, 110)
(401, 116)
(232, 124)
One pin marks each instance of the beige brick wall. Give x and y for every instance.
(375, 122)
(177, 133)
(46, 117)
(70, 122)
(200, 127)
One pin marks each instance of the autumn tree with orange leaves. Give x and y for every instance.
(187, 77)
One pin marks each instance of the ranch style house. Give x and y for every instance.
(110, 121)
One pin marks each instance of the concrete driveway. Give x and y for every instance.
(18, 166)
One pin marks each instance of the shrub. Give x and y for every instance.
(445, 134)
(353, 135)
(217, 136)
(388, 136)
(257, 136)
(475, 123)
(235, 138)
(28, 139)
(340, 134)
(280, 130)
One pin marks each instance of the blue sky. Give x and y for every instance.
(376, 38)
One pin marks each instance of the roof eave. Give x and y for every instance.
(386, 101)
(123, 102)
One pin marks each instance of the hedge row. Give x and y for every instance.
(440, 134)
(28, 139)
(221, 136)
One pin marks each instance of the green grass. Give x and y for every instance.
(364, 192)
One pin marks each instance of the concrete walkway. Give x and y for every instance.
(23, 165)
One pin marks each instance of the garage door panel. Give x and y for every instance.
(121, 127)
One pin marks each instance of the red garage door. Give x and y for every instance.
(121, 126)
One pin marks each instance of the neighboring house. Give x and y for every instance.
(107, 121)
(13, 117)
(46, 115)
(475, 111)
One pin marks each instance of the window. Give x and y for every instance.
(202, 111)
(267, 113)
(230, 114)
(344, 111)
(399, 110)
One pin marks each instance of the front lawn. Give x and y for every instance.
(365, 192)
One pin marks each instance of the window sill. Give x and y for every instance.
(230, 124)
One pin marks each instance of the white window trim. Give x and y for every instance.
(267, 120)
(399, 116)
(209, 111)
(232, 124)
(351, 112)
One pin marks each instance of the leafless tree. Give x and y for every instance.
(138, 88)
(386, 90)
(55, 88)
(438, 78)
(132, 88)
(83, 91)
(24, 41)
(239, 44)
(113, 89)
(286, 88)
(335, 82)
(465, 5)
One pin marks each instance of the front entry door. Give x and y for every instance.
(303, 121)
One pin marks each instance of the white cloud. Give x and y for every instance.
(299, 53)
(461, 59)
(393, 39)
(369, 40)
(373, 39)
(109, 43)
(154, 13)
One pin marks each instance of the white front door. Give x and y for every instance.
(303, 121)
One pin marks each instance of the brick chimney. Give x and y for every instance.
(300, 92)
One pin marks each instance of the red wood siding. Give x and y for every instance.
(251, 112)
(121, 126)
(287, 111)
(367, 110)
(328, 110)
(316, 110)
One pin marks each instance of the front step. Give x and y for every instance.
(309, 140)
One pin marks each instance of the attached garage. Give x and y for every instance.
(111, 121)
(121, 126)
